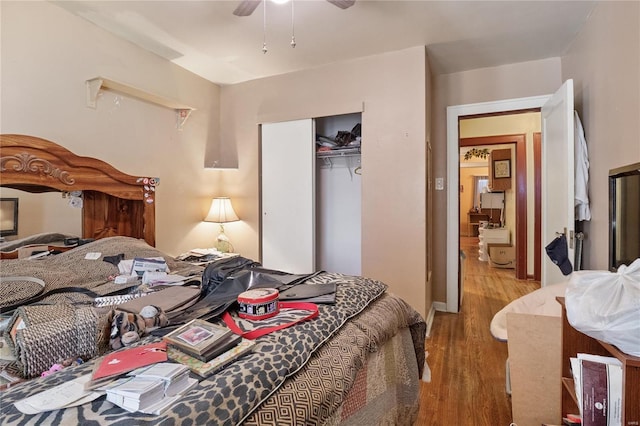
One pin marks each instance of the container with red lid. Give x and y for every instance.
(258, 303)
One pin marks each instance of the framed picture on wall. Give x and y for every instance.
(8, 216)
(502, 169)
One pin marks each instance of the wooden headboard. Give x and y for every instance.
(114, 203)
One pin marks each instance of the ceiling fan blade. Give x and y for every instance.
(342, 4)
(246, 7)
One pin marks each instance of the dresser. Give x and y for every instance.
(491, 236)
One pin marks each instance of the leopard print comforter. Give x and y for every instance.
(230, 396)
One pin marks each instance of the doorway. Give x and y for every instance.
(517, 214)
(454, 114)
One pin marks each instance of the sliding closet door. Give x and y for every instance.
(288, 196)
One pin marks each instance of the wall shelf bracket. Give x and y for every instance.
(95, 85)
(181, 116)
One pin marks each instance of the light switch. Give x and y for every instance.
(439, 184)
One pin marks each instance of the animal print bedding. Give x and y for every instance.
(233, 394)
(338, 341)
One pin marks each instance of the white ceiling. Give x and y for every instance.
(207, 39)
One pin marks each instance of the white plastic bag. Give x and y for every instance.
(606, 306)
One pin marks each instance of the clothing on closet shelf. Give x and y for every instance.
(581, 171)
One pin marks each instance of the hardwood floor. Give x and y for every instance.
(467, 364)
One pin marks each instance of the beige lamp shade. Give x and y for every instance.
(221, 211)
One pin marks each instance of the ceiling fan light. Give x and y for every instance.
(280, 1)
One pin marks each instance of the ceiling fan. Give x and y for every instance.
(246, 7)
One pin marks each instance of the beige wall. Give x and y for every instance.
(483, 85)
(48, 53)
(394, 130)
(604, 62)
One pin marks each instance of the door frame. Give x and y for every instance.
(454, 113)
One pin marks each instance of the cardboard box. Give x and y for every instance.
(535, 366)
(502, 256)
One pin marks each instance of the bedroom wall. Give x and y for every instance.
(392, 87)
(481, 85)
(48, 53)
(604, 63)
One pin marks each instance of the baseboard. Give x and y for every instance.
(440, 306)
(429, 319)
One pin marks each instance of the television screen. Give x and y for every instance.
(624, 215)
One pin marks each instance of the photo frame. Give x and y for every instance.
(502, 169)
(197, 336)
(8, 216)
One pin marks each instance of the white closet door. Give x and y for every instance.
(288, 196)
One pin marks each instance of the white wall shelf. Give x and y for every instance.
(96, 84)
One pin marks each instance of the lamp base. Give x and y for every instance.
(223, 245)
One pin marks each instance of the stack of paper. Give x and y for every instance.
(150, 389)
(175, 376)
(68, 394)
(162, 278)
(135, 393)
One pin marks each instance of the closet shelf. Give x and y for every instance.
(96, 84)
(348, 152)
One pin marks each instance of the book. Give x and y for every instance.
(197, 336)
(206, 369)
(229, 342)
(601, 394)
(123, 361)
(598, 385)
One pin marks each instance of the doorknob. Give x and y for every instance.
(569, 237)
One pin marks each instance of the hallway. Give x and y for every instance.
(467, 364)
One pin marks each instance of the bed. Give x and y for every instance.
(358, 362)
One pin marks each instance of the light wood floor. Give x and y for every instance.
(467, 364)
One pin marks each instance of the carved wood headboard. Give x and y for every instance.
(114, 203)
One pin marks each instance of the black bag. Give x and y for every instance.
(223, 281)
(215, 273)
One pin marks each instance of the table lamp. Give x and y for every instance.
(221, 212)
